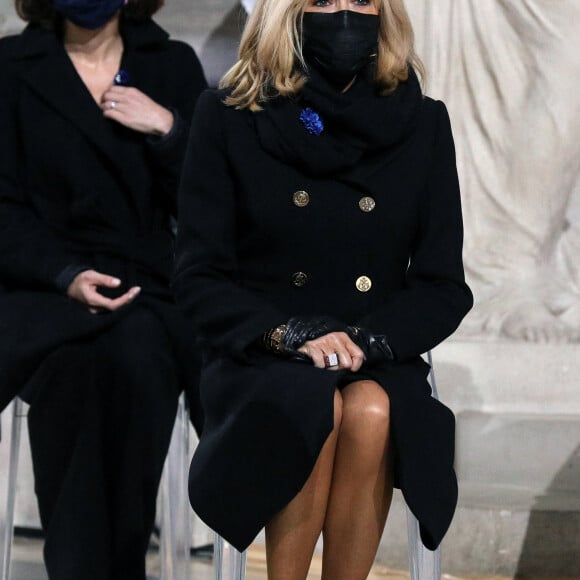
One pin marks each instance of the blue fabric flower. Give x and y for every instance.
(122, 79)
(312, 121)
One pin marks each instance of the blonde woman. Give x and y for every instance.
(319, 255)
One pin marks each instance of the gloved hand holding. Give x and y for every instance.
(320, 339)
(287, 338)
(301, 329)
(375, 346)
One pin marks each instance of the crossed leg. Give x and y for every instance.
(362, 484)
(347, 495)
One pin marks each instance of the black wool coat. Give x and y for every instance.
(263, 237)
(79, 191)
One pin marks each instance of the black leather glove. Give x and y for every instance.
(289, 337)
(374, 346)
(300, 329)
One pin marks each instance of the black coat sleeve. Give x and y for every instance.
(228, 316)
(436, 297)
(31, 253)
(166, 153)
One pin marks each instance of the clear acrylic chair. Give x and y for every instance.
(176, 534)
(19, 410)
(423, 563)
(229, 564)
(175, 539)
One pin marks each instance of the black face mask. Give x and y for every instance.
(339, 44)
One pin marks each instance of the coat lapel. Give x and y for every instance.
(48, 71)
(51, 75)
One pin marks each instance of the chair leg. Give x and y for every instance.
(432, 381)
(8, 528)
(218, 557)
(175, 515)
(229, 564)
(238, 564)
(423, 564)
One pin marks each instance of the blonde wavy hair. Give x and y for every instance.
(271, 46)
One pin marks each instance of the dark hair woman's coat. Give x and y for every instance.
(77, 190)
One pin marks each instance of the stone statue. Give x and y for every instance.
(9, 22)
(510, 75)
(220, 50)
(212, 27)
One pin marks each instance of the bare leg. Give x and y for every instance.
(291, 535)
(362, 484)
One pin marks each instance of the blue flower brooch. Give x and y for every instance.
(312, 121)
(122, 79)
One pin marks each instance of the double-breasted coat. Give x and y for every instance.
(278, 221)
(77, 190)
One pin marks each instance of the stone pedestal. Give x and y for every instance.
(518, 461)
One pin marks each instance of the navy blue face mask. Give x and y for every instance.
(90, 14)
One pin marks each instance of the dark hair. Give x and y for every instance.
(41, 12)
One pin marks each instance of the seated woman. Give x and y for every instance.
(319, 254)
(95, 108)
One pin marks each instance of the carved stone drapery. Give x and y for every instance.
(509, 73)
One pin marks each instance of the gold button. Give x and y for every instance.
(363, 284)
(301, 198)
(367, 204)
(299, 279)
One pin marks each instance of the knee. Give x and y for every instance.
(365, 411)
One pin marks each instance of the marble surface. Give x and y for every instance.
(509, 72)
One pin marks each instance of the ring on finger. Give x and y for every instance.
(331, 360)
(113, 104)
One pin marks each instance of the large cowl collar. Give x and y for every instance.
(357, 123)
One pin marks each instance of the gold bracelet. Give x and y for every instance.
(272, 339)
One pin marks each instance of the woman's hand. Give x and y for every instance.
(84, 288)
(350, 356)
(135, 110)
